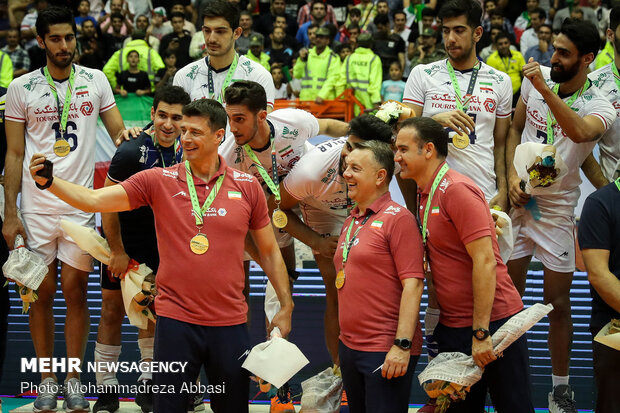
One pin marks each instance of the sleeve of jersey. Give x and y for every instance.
(413, 88)
(264, 78)
(122, 164)
(107, 97)
(15, 104)
(297, 182)
(139, 187)
(602, 109)
(258, 205)
(405, 245)
(594, 226)
(468, 210)
(504, 106)
(526, 86)
(309, 122)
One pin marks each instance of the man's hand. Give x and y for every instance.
(501, 200)
(532, 71)
(282, 320)
(543, 45)
(327, 246)
(517, 196)
(36, 164)
(482, 351)
(11, 227)
(396, 363)
(128, 134)
(119, 261)
(457, 120)
(303, 54)
(319, 100)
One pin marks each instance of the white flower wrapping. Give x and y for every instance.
(530, 153)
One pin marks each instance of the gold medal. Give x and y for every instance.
(461, 141)
(199, 244)
(62, 148)
(279, 218)
(340, 279)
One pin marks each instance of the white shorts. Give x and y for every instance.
(46, 238)
(551, 240)
(325, 223)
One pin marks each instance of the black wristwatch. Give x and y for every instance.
(403, 343)
(481, 333)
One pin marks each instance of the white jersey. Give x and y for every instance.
(430, 86)
(194, 79)
(292, 128)
(591, 102)
(30, 101)
(609, 144)
(315, 180)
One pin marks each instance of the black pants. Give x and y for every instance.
(218, 349)
(507, 379)
(606, 368)
(367, 391)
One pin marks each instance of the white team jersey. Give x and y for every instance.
(292, 128)
(315, 180)
(30, 101)
(430, 86)
(194, 79)
(591, 102)
(609, 144)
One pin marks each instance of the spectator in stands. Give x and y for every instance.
(265, 22)
(6, 70)
(576, 14)
(489, 5)
(165, 75)
(508, 61)
(400, 25)
(179, 7)
(278, 52)
(343, 51)
(83, 10)
(354, 32)
(242, 44)
(318, 69)
(318, 17)
(28, 31)
(414, 39)
(256, 51)
(178, 41)
(278, 81)
(490, 49)
(388, 46)
(289, 41)
(312, 35)
(382, 9)
(142, 24)
(427, 51)
(602, 16)
(394, 87)
(90, 48)
(543, 50)
(368, 12)
(133, 80)
(114, 41)
(128, 8)
(19, 57)
(566, 12)
(529, 37)
(497, 19)
(304, 15)
(523, 21)
(106, 24)
(157, 27)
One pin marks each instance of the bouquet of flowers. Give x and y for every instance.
(540, 167)
(610, 334)
(392, 112)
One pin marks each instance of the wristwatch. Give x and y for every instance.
(481, 333)
(403, 343)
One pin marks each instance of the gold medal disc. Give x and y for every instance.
(340, 279)
(279, 219)
(199, 244)
(62, 148)
(461, 141)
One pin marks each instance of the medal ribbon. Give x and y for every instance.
(198, 211)
(229, 75)
(436, 182)
(273, 181)
(348, 241)
(178, 152)
(64, 114)
(551, 120)
(463, 103)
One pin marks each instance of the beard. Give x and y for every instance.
(564, 75)
(60, 62)
(465, 53)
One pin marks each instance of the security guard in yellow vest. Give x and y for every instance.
(256, 51)
(363, 72)
(318, 69)
(150, 60)
(6, 69)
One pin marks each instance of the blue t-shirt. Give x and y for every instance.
(393, 90)
(599, 228)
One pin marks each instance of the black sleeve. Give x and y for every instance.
(413, 36)
(401, 46)
(143, 81)
(595, 225)
(165, 42)
(125, 162)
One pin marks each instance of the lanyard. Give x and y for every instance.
(348, 241)
(462, 103)
(436, 182)
(198, 211)
(229, 75)
(178, 150)
(506, 66)
(64, 115)
(272, 181)
(551, 120)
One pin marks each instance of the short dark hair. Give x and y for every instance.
(370, 127)
(429, 130)
(399, 12)
(177, 14)
(382, 153)
(542, 14)
(167, 53)
(210, 109)
(496, 12)
(133, 51)
(223, 9)
(246, 93)
(583, 34)
(116, 16)
(381, 19)
(317, 2)
(502, 35)
(171, 95)
(547, 25)
(427, 11)
(53, 15)
(355, 11)
(614, 18)
(471, 9)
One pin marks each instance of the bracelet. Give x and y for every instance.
(47, 184)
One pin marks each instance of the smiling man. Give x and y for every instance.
(54, 110)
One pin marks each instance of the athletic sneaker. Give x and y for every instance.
(107, 402)
(145, 399)
(561, 400)
(74, 398)
(281, 402)
(46, 399)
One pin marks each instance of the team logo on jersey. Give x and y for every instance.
(28, 86)
(392, 210)
(293, 132)
(496, 75)
(192, 72)
(433, 69)
(241, 176)
(183, 193)
(45, 95)
(82, 91)
(85, 74)
(489, 105)
(330, 174)
(248, 66)
(86, 108)
(222, 212)
(444, 185)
